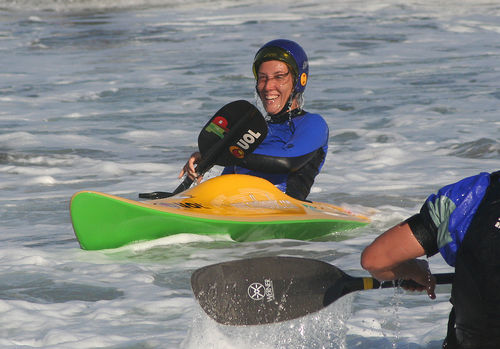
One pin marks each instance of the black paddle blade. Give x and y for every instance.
(233, 132)
(265, 290)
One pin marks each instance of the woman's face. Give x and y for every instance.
(274, 85)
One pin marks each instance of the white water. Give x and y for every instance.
(110, 96)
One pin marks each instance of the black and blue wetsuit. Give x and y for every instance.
(462, 222)
(290, 156)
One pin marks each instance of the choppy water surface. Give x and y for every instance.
(111, 95)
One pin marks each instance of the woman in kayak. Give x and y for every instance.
(462, 222)
(296, 145)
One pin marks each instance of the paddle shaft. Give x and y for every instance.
(368, 283)
(441, 279)
(186, 183)
(347, 284)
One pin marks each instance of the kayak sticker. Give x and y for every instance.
(270, 204)
(182, 204)
(311, 207)
(257, 291)
(218, 126)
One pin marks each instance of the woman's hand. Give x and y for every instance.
(189, 169)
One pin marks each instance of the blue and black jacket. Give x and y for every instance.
(462, 222)
(290, 156)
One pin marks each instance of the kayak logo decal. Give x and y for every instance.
(258, 292)
(269, 204)
(189, 204)
(181, 204)
(244, 144)
(218, 126)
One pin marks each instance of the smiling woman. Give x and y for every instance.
(295, 148)
(274, 85)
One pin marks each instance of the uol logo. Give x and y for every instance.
(257, 291)
(244, 143)
(248, 138)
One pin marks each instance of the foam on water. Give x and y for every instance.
(325, 329)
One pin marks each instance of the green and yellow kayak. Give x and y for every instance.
(247, 208)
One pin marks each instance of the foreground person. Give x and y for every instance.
(462, 222)
(296, 145)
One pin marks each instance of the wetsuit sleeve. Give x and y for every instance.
(275, 164)
(425, 231)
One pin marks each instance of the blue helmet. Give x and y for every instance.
(289, 52)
